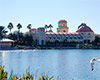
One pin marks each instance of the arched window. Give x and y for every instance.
(54, 37)
(50, 37)
(42, 42)
(70, 37)
(89, 33)
(64, 31)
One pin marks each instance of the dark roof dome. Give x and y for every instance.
(62, 21)
(84, 28)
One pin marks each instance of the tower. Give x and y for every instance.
(62, 26)
(41, 36)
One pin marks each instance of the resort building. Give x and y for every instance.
(83, 35)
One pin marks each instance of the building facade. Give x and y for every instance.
(84, 34)
(6, 43)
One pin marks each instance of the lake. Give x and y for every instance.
(69, 64)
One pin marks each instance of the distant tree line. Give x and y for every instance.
(96, 42)
(19, 37)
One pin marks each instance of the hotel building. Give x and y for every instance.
(84, 34)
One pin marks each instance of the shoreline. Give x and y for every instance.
(46, 48)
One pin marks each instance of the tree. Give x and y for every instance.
(81, 25)
(73, 43)
(50, 26)
(26, 39)
(13, 36)
(46, 26)
(10, 26)
(2, 31)
(96, 40)
(29, 26)
(18, 27)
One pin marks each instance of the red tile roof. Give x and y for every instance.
(62, 21)
(84, 29)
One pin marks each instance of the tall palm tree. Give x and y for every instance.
(10, 26)
(18, 27)
(50, 26)
(2, 31)
(46, 26)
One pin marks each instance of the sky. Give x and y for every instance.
(41, 12)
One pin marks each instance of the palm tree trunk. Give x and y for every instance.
(46, 29)
(50, 28)
(18, 37)
(10, 30)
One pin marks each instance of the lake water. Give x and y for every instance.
(69, 64)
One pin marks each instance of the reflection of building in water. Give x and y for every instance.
(84, 34)
(3, 54)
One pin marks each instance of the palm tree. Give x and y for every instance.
(18, 27)
(2, 31)
(50, 26)
(46, 26)
(82, 24)
(96, 41)
(10, 26)
(29, 26)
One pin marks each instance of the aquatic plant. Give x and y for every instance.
(46, 77)
(27, 76)
(3, 74)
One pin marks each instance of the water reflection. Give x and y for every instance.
(2, 57)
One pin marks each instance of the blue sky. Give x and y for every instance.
(41, 12)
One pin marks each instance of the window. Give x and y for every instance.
(54, 37)
(50, 37)
(82, 33)
(66, 37)
(70, 37)
(58, 37)
(89, 33)
(75, 37)
(64, 31)
(79, 37)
